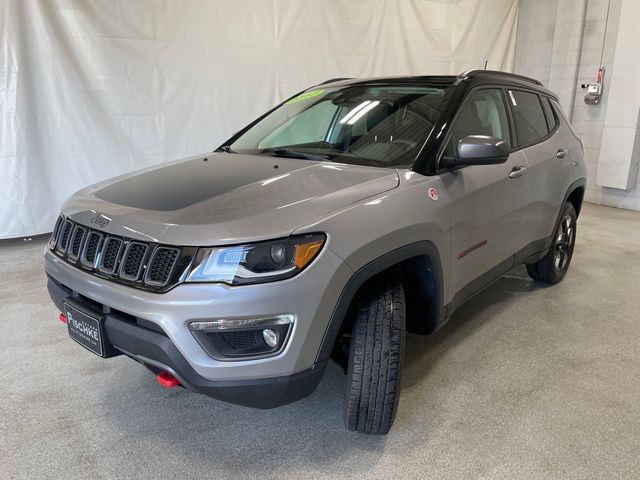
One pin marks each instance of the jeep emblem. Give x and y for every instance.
(100, 220)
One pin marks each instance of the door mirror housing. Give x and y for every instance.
(481, 150)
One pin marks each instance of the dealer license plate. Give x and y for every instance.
(86, 329)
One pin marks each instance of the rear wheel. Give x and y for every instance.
(554, 265)
(375, 357)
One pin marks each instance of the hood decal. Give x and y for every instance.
(230, 198)
(177, 186)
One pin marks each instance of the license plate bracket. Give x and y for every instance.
(86, 327)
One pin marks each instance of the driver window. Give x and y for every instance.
(483, 113)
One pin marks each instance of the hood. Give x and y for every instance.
(224, 198)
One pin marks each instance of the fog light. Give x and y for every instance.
(270, 337)
(245, 337)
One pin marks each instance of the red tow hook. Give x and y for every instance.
(63, 318)
(167, 380)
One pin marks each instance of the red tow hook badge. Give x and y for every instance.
(63, 317)
(167, 380)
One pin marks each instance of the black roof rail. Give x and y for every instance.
(515, 76)
(331, 80)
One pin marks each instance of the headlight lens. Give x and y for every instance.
(256, 262)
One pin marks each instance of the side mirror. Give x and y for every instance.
(481, 150)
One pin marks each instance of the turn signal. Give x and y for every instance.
(305, 252)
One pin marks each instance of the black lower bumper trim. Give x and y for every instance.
(157, 351)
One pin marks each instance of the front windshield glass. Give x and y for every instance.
(360, 124)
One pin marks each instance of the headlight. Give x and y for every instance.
(256, 262)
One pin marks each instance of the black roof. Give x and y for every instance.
(498, 73)
(477, 76)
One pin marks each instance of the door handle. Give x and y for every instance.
(517, 171)
(562, 152)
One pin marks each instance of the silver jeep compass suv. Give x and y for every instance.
(353, 211)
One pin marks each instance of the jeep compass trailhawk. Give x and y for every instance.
(353, 211)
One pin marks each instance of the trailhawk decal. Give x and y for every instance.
(467, 251)
(433, 194)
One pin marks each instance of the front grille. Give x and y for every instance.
(139, 264)
(91, 247)
(110, 254)
(65, 233)
(76, 242)
(56, 232)
(162, 262)
(132, 260)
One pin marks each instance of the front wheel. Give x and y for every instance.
(375, 357)
(554, 265)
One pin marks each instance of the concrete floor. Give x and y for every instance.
(525, 381)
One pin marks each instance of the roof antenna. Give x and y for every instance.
(485, 65)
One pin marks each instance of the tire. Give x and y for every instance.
(376, 355)
(554, 265)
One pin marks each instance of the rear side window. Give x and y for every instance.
(528, 116)
(552, 120)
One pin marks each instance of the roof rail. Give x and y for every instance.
(466, 73)
(331, 80)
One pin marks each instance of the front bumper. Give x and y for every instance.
(156, 351)
(169, 345)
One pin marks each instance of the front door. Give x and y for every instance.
(487, 201)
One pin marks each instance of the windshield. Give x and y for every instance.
(366, 125)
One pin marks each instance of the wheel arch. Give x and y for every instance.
(575, 197)
(419, 265)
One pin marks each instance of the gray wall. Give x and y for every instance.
(560, 42)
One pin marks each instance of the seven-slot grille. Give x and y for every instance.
(91, 247)
(161, 265)
(133, 259)
(76, 242)
(110, 255)
(144, 265)
(63, 239)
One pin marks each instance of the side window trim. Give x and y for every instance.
(546, 100)
(540, 140)
(560, 115)
(512, 126)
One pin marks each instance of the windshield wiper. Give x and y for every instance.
(284, 152)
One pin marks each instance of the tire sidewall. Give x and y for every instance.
(557, 275)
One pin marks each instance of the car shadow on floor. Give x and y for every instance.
(304, 436)
(422, 352)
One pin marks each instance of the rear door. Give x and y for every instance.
(548, 162)
(486, 203)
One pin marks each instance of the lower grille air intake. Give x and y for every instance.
(241, 340)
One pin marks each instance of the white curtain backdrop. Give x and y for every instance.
(94, 88)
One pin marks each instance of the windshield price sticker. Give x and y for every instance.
(304, 96)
